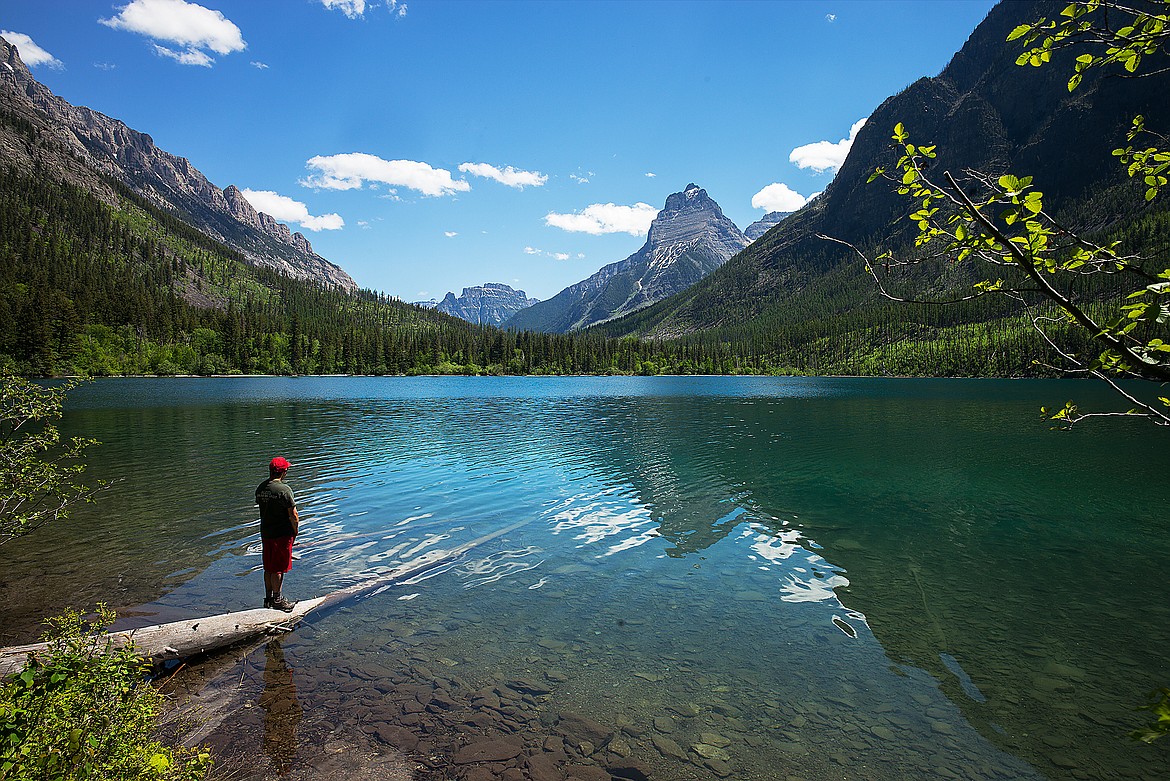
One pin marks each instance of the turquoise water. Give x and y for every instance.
(815, 578)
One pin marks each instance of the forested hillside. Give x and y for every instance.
(93, 289)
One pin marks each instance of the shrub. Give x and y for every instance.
(86, 712)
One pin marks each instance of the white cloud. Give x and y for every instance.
(356, 9)
(830, 18)
(778, 197)
(188, 57)
(350, 171)
(32, 54)
(286, 209)
(105, 66)
(510, 176)
(651, 175)
(259, 65)
(351, 8)
(579, 179)
(554, 255)
(450, 234)
(181, 23)
(599, 218)
(825, 155)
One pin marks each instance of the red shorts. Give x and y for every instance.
(277, 554)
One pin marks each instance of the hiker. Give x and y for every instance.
(279, 524)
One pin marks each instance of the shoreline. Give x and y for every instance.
(550, 376)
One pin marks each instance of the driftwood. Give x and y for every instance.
(179, 639)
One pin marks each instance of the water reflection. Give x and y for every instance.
(282, 709)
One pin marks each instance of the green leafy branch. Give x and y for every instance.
(1140, 35)
(1000, 222)
(1001, 225)
(1151, 164)
(39, 474)
(1160, 726)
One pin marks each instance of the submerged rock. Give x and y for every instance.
(707, 751)
(668, 748)
(664, 724)
(496, 750)
(580, 729)
(629, 770)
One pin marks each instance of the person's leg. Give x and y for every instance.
(277, 561)
(266, 561)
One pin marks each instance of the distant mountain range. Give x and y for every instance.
(688, 239)
(80, 145)
(488, 304)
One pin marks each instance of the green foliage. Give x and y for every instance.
(1142, 34)
(1022, 252)
(86, 712)
(1150, 164)
(39, 475)
(1160, 726)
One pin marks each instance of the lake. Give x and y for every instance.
(701, 577)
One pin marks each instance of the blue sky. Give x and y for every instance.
(425, 146)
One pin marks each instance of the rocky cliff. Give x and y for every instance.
(81, 146)
(488, 304)
(688, 240)
(764, 224)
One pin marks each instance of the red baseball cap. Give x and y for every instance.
(279, 464)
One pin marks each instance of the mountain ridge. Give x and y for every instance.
(75, 142)
(688, 239)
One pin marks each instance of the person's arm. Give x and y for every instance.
(294, 519)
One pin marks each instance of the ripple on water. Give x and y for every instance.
(697, 553)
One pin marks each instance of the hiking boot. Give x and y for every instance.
(267, 602)
(278, 602)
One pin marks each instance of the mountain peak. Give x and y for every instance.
(691, 197)
(687, 216)
(688, 239)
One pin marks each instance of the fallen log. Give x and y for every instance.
(179, 639)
